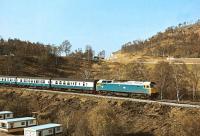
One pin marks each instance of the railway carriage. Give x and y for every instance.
(135, 87)
(8, 80)
(33, 81)
(64, 83)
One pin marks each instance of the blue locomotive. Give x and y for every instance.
(96, 86)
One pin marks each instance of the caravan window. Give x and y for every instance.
(3, 125)
(22, 123)
(58, 128)
(31, 121)
(50, 131)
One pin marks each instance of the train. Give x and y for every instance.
(92, 86)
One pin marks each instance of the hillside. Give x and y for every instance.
(90, 116)
(180, 41)
(23, 58)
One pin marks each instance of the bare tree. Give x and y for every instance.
(179, 75)
(162, 75)
(65, 47)
(136, 71)
(89, 53)
(86, 74)
(194, 79)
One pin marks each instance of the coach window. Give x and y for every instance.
(20, 80)
(64, 83)
(56, 82)
(60, 82)
(83, 84)
(68, 83)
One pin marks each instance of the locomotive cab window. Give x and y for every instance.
(103, 81)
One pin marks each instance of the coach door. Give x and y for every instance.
(40, 133)
(11, 125)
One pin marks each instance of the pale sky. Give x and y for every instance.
(103, 24)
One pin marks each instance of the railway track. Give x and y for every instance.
(163, 102)
(173, 104)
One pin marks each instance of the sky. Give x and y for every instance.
(103, 24)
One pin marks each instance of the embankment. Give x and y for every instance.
(88, 116)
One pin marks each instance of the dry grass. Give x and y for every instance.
(86, 116)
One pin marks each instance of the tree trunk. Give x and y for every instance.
(177, 95)
(161, 94)
(193, 92)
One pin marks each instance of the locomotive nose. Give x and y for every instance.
(153, 91)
